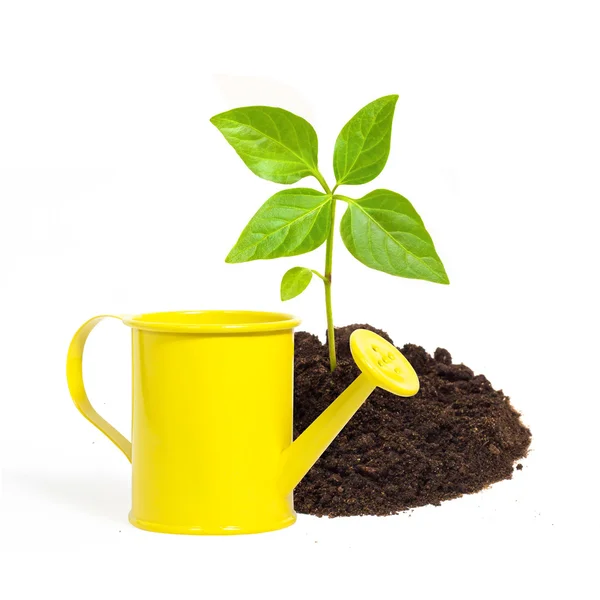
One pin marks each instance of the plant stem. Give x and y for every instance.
(328, 268)
(318, 275)
(328, 264)
(321, 180)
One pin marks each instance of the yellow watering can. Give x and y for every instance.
(211, 442)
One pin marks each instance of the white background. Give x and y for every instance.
(118, 195)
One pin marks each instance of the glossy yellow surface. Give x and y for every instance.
(211, 447)
(383, 363)
(77, 389)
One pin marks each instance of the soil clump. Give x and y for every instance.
(456, 436)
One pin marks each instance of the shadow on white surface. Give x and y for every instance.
(101, 494)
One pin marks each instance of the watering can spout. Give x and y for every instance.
(381, 365)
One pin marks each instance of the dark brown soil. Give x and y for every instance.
(456, 436)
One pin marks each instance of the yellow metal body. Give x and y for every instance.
(211, 443)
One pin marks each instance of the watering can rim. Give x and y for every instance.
(215, 321)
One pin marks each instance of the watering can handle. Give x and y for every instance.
(77, 389)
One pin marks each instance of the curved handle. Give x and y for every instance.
(77, 389)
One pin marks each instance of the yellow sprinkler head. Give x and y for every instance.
(383, 363)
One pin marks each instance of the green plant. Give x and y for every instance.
(382, 229)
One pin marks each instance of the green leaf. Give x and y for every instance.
(289, 223)
(383, 231)
(363, 146)
(294, 282)
(275, 144)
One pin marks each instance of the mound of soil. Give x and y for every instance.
(456, 436)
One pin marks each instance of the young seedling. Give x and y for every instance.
(382, 229)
